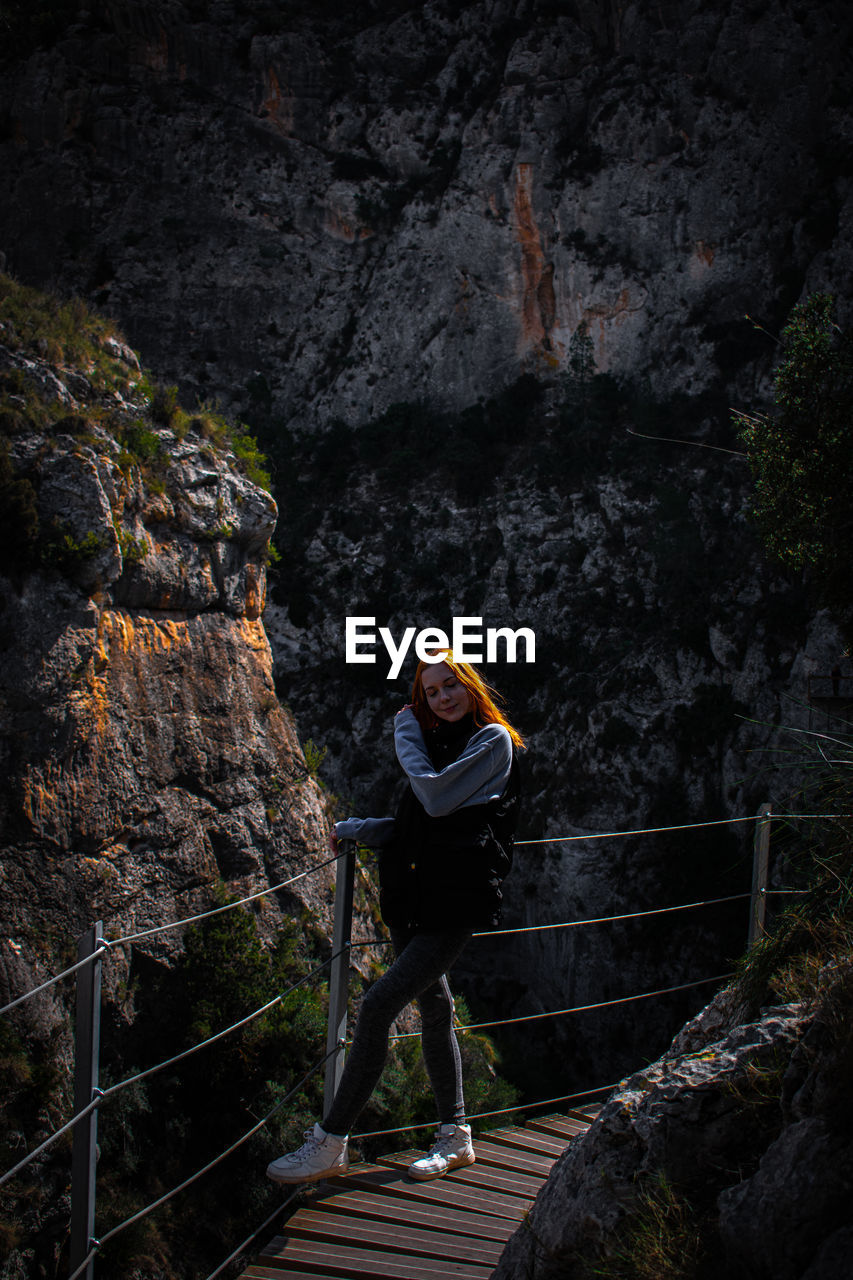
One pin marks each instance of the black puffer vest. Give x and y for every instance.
(443, 874)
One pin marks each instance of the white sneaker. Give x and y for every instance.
(451, 1150)
(322, 1155)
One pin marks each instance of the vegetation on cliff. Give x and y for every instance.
(175, 781)
(740, 1140)
(801, 454)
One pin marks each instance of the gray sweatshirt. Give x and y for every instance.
(480, 774)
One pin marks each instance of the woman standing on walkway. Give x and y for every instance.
(441, 862)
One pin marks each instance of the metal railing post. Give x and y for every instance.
(87, 1043)
(760, 865)
(339, 972)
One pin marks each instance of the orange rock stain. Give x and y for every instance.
(278, 103)
(538, 298)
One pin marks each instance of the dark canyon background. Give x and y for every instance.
(485, 281)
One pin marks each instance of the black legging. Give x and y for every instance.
(418, 973)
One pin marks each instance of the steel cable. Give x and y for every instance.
(601, 835)
(639, 831)
(574, 924)
(241, 1248)
(199, 1173)
(683, 826)
(630, 915)
(229, 906)
(581, 1008)
(101, 1095)
(485, 1115)
(103, 947)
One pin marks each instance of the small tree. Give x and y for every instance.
(581, 364)
(801, 455)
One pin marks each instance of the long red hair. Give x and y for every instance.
(484, 698)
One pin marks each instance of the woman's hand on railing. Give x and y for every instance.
(333, 841)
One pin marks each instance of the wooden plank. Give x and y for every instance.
(587, 1112)
(503, 1180)
(392, 1182)
(375, 1221)
(514, 1158)
(480, 1175)
(390, 1208)
(362, 1264)
(472, 1199)
(275, 1273)
(527, 1140)
(559, 1122)
(560, 1126)
(311, 1224)
(522, 1180)
(357, 1166)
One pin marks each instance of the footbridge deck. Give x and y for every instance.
(377, 1222)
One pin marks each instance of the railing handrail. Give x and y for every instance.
(103, 1095)
(107, 945)
(345, 860)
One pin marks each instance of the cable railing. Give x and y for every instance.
(58, 977)
(94, 948)
(96, 1244)
(103, 1095)
(106, 944)
(228, 906)
(640, 831)
(579, 1008)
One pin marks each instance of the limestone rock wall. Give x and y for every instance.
(387, 203)
(670, 687)
(743, 1120)
(309, 213)
(145, 756)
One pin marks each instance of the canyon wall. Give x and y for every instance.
(731, 1155)
(450, 261)
(146, 759)
(389, 202)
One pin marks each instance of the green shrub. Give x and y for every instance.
(250, 459)
(661, 1238)
(133, 550)
(314, 756)
(164, 404)
(64, 331)
(61, 550)
(141, 442)
(802, 455)
(211, 425)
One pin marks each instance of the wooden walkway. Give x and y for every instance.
(376, 1222)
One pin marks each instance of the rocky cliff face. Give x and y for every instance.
(314, 215)
(667, 656)
(145, 756)
(731, 1156)
(384, 203)
(381, 233)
